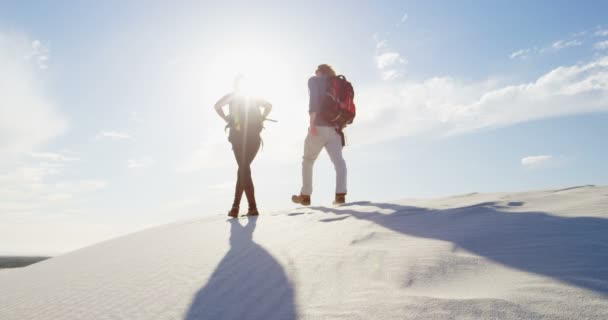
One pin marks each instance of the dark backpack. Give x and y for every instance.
(337, 104)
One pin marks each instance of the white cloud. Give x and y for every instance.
(388, 59)
(389, 65)
(140, 163)
(523, 53)
(562, 44)
(380, 43)
(572, 40)
(602, 33)
(38, 53)
(34, 189)
(449, 106)
(114, 135)
(534, 162)
(29, 180)
(31, 184)
(42, 60)
(602, 45)
(28, 117)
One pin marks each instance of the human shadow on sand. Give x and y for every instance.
(247, 284)
(570, 250)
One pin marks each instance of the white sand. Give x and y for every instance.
(535, 255)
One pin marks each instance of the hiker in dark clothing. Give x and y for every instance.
(245, 121)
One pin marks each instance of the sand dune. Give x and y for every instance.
(533, 255)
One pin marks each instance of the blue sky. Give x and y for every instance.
(107, 125)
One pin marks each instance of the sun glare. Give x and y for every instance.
(208, 73)
(262, 70)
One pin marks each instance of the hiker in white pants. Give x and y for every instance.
(321, 134)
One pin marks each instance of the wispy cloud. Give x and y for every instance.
(535, 162)
(571, 41)
(403, 19)
(28, 118)
(450, 106)
(38, 189)
(381, 44)
(602, 33)
(523, 53)
(113, 135)
(602, 45)
(39, 53)
(562, 44)
(30, 182)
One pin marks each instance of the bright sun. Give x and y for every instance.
(263, 70)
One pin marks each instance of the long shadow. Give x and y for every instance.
(247, 284)
(570, 250)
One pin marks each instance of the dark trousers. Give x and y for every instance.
(245, 148)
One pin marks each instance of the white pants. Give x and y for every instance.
(327, 138)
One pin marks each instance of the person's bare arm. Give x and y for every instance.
(267, 108)
(219, 107)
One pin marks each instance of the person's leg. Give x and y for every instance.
(334, 149)
(251, 150)
(238, 150)
(312, 147)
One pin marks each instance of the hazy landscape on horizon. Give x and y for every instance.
(107, 123)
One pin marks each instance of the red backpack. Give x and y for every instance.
(337, 105)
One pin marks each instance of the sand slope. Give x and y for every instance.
(534, 255)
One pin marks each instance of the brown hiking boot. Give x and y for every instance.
(253, 212)
(234, 212)
(340, 198)
(301, 199)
